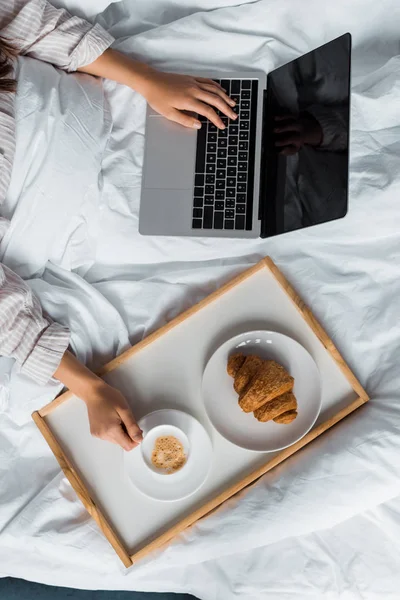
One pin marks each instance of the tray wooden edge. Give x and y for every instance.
(316, 328)
(80, 488)
(78, 484)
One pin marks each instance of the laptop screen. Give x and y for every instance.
(306, 140)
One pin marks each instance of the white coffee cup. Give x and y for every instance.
(149, 441)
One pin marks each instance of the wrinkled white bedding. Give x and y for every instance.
(326, 522)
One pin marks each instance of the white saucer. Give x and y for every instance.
(221, 400)
(187, 480)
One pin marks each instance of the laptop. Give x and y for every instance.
(281, 166)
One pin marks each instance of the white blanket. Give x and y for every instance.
(327, 521)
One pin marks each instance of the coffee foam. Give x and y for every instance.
(168, 454)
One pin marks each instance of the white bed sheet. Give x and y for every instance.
(326, 522)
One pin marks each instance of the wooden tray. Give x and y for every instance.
(165, 370)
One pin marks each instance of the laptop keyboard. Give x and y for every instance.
(224, 174)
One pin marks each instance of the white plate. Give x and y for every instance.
(190, 478)
(221, 400)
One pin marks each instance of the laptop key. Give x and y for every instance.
(200, 150)
(197, 224)
(229, 214)
(209, 200)
(235, 97)
(239, 222)
(232, 161)
(231, 182)
(199, 179)
(230, 193)
(244, 135)
(233, 130)
(210, 169)
(241, 197)
(221, 173)
(243, 145)
(209, 190)
(210, 178)
(242, 166)
(197, 213)
(198, 202)
(245, 105)
(220, 194)
(198, 191)
(244, 114)
(242, 177)
(241, 208)
(242, 156)
(212, 137)
(220, 184)
(235, 86)
(231, 172)
(211, 158)
(245, 94)
(233, 140)
(221, 153)
(244, 125)
(222, 143)
(246, 84)
(221, 163)
(222, 133)
(226, 84)
(212, 127)
(229, 224)
(230, 203)
(241, 187)
(232, 151)
(219, 206)
(218, 220)
(211, 147)
(208, 217)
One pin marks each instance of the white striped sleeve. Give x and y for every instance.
(25, 334)
(38, 29)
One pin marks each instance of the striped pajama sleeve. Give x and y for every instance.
(25, 334)
(37, 29)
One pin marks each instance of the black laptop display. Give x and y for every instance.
(306, 140)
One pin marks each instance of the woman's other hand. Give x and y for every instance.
(111, 419)
(170, 94)
(109, 414)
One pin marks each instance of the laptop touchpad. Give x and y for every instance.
(170, 155)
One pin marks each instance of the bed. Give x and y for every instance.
(328, 520)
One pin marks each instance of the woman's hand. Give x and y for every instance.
(167, 93)
(111, 419)
(170, 94)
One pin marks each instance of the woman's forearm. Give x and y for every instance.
(120, 68)
(171, 95)
(77, 378)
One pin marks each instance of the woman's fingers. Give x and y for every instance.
(219, 91)
(209, 82)
(208, 112)
(132, 428)
(118, 436)
(183, 118)
(217, 101)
